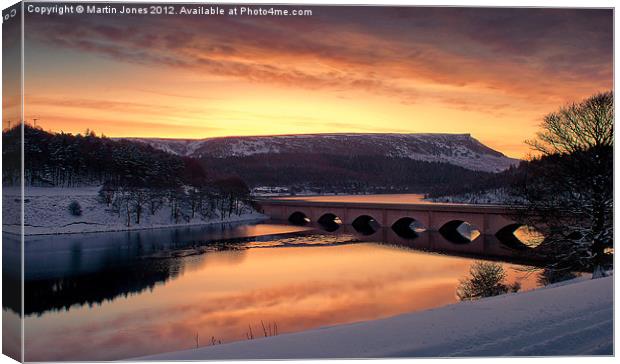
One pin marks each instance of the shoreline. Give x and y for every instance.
(567, 318)
(47, 213)
(255, 217)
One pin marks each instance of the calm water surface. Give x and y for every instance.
(107, 296)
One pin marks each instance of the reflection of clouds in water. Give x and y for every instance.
(526, 275)
(234, 253)
(230, 257)
(220, 293)
(529, 236)
(468, 231)
(293, 306)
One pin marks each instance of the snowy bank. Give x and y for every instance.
(46, 211)
(499, 196)
(565, 319)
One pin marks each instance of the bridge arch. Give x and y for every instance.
(366, 225)
(392, 216)
(407, 227)
(329, 222)
(298, 218)
(459, 232)
(519, 237)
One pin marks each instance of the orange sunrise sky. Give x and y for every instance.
(493, 73)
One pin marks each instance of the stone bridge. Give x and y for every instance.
(487, 219)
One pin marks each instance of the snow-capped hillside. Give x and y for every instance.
(458, 149)
(182, 147)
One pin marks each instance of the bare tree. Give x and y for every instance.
(568, 189)
(139, 197)
(577, 127)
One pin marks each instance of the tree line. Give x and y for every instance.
(329, 173)
(136, 179)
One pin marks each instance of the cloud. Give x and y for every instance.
(538, 55)
(98, 104)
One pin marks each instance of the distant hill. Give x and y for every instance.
(457, 149)
(344, 163)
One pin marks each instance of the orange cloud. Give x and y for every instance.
(498, 66)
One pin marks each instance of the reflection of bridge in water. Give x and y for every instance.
(487, 247)
(405, 221)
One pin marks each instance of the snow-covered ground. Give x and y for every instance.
(498, 196)
(573, 318)
(46, 211)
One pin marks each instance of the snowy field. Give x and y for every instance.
(570, 318)
(47, 212)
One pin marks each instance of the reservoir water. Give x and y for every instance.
(117, 295)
